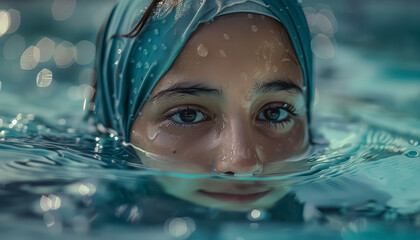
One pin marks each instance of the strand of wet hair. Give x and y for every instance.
(137, 29)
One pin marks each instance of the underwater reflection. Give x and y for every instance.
(223, 191)
(229, 195)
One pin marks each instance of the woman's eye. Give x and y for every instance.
(188, 116)
(273, 115)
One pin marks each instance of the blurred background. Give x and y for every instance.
(47, 50)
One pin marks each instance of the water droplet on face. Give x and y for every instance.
(262, 17)
(226, 36)
(152, 132)
(275, 68)
(222, 53)
(412, 154)
(250, 16)
(286, 60)
(202, 50)
(254, 28)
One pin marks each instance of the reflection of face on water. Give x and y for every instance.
(232, 102)
(228, 195)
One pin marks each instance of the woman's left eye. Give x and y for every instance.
(188, 116)
(273, 114)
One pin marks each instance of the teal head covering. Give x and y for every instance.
(128, 69)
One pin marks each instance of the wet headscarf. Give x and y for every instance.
(129, 68)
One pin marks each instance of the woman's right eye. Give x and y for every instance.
(188, 116)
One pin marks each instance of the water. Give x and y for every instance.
(59, 178)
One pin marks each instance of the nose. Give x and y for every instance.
(238, 155)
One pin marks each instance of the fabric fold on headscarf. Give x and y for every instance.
(129, 68)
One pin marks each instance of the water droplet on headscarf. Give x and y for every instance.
(147, 65)
(132, 80)
(156, 31)
(116, 62)
(139, 64)
(152, 75)
(145, 52)
(149, 40)
(226, 36)
(44, 78)
(250, 16)
(140, 48)
(202, 50)
(154, 47)
(119, 51)
(135, 90)
(222, 53)
(254, 28)
(163, 46)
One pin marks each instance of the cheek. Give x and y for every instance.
(182, 144)
(285, 145)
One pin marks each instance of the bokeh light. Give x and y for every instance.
(14, 47)
(44, 78)
(30, 58)
(85, 52)
(4, 22)
(47, 48)
(14, 16)
(64, 54)
(63, 9)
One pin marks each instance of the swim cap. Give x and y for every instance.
(129, 68)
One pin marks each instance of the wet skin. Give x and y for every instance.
(232, 103)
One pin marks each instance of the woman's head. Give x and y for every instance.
(210, 85)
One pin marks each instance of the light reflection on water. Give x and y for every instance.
(59, 177)
(82, 183)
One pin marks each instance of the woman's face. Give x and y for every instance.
(232, 103)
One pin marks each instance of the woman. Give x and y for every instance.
(216, 86)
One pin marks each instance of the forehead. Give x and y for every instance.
(236, 45)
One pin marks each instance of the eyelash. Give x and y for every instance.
(169, 117)
(287, 107)
(290, 109)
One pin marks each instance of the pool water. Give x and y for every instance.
(59, 178)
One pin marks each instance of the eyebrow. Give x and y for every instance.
(187, 88)
(276, 86)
